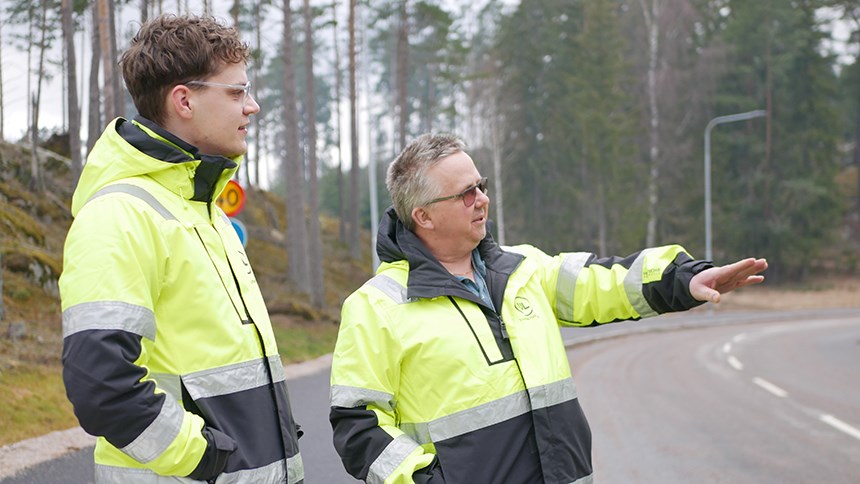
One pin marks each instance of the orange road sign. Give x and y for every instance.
(232, 199)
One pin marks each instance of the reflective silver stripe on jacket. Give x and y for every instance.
(137, 192)
(351, 397)
(391, 288)
(490, 413)
(156, 438)
(589, 479)
(270, 474)
(553, 394)
(171, 384)
(633, 286)
(387, 462)
(233, 378)
(565, 290)
(111, 315)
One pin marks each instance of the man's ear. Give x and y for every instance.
(180, 101)
(421, 217)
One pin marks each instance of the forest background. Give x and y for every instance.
(588, 116)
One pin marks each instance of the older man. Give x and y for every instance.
(449, 365)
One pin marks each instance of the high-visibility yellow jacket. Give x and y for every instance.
(430, 384)
(168, 352)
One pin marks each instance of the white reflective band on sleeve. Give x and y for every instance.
(589, 479)
(230, 379)
(553, 393)
(390, 288)
(633, 286)
(395, 453)
(136, 192)
(109, 315)
(351, 397)
(153, 441)
(566, 285)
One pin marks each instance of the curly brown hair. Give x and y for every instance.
(170, 50)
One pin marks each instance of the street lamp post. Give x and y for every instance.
(718, 120)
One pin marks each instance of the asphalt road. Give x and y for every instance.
(698, 397)
(776, 402)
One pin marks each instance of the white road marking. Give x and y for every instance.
(770, 387)
(736, 364)
(840, 425)
(727, 348)
(739, 337)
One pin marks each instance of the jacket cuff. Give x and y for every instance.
(219, 446)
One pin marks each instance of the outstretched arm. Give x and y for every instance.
(709, 284)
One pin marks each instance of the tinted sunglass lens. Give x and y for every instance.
(470, 196)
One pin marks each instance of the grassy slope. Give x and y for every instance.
(32, 230)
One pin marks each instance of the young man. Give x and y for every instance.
(449, 365)
(168, 352)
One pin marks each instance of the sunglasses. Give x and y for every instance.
(468, 195)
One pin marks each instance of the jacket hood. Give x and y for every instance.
(427, 276)
(129, 149)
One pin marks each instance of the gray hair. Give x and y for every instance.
(407, 180)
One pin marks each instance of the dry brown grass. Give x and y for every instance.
(818, 292)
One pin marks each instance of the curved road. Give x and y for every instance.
(685, 398)
(770, 402)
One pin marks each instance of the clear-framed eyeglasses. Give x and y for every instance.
(244, 89)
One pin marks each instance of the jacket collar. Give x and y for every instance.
(427, 277)
(170, 148)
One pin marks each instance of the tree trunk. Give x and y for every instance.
(72, 81)
(652, 24)
(107, 39)
(243, 168)
(402, 68)
(2, 120)
(297, 238)
(314, 237)
(258, 64)
(354, 198)
(94, 123)
(337, 89)
(37, 181)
